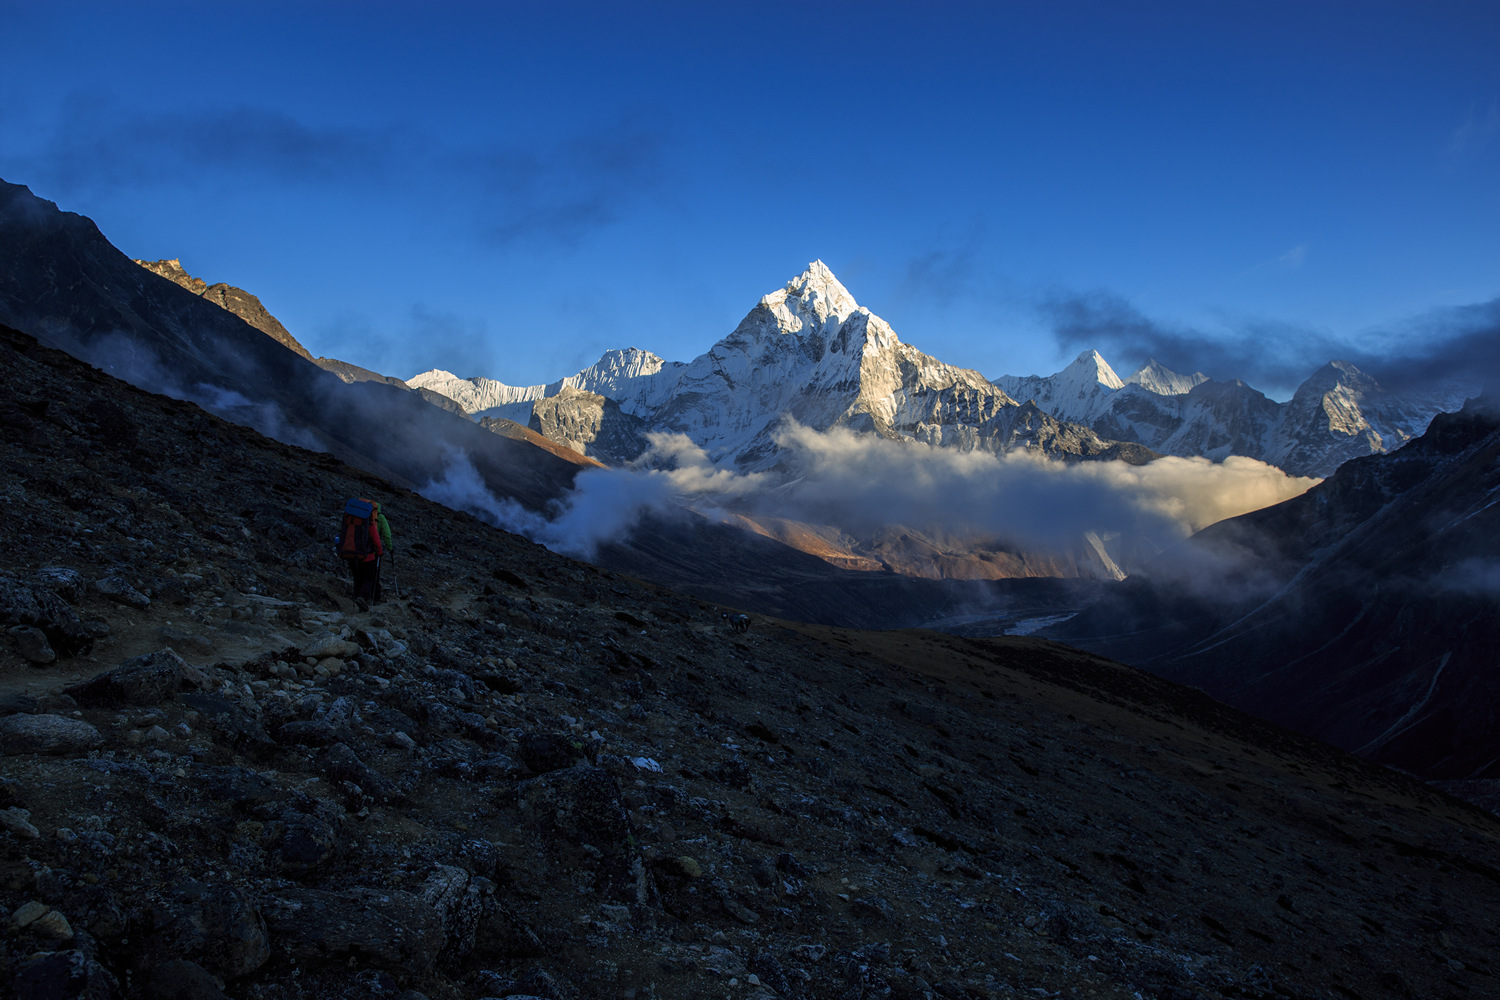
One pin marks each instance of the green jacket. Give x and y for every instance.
(385, 531)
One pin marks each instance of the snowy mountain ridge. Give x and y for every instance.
(810, 352)
(1338, 413)
(807, 351)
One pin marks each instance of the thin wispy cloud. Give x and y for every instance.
(1293, 258)
(553, 194)
(98, 145)
(560, 193)
(1459, 344)
(1479, 128)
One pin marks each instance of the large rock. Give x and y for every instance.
(330, 645)
(47, 734)
(117, 588)
(143, 680)
(31, 643)
(397, 931)
(177, 979)
(63, 975)
(25, 603)
(215, 926)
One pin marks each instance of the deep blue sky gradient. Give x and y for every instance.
(509, 189)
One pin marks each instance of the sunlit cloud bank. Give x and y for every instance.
(862, 483)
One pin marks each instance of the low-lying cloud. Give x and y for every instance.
(862, 483)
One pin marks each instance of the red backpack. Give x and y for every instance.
(354, 541)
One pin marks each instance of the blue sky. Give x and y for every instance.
(510, 189)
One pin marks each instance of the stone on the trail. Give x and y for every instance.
(307, 733)
(31, 643)
(190, 642)
(18, 703)
(25, 603)
(177, 979)
(46, 734)
(18, 822)
(62, 975)
(307, 842)
(215, 926)
(543, 752)
(117, 588)
(143, 680)
(396, 931)
(66, 583)
(331, 645)
(342, 764)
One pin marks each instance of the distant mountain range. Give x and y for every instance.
(811, 353)
(807, 352)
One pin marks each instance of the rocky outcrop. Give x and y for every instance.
(236, 300)
(589, 423)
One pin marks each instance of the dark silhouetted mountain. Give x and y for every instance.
(1363, 612)
(62, 282)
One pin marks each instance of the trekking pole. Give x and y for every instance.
(395, 584)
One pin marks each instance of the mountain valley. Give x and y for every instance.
(526, 776)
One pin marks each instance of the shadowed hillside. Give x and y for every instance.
(522, 776)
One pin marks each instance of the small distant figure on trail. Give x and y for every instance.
(737, 623)
(364, 537)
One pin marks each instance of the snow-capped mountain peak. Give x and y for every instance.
(1089, 368)
(1079, 392)
(1164, 381)
(814, 302)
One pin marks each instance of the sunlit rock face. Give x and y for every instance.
(238, 301)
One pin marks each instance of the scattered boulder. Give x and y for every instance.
(66, 583)
(396, 931)
(214, 925)
(117, 588)
(544, 752)
(47, 734)
(63, 975)
(331, 645)
(31, 604)
(142, 680)
(177, 979)
(31, 643)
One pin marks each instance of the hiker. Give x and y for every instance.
(363, 539)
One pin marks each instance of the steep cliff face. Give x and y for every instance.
(238, 301)
(589, 423)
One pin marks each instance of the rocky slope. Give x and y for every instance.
(1361, 612)
(1339, 413)
(521, 776)
(236, 300)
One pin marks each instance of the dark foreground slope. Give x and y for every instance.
(528, 777)
(1363, 612)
